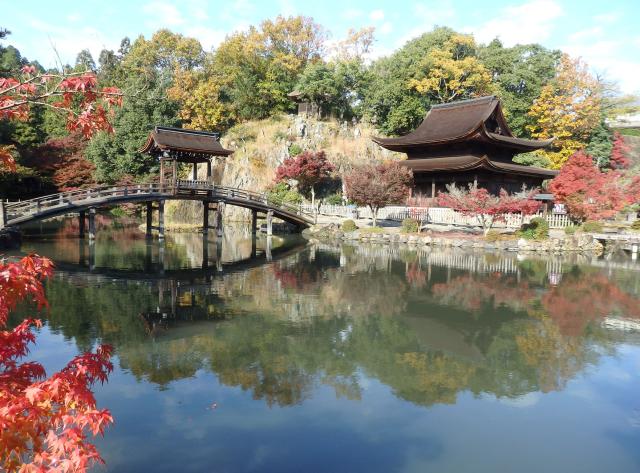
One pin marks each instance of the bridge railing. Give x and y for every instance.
(20, 209)
(79, 196)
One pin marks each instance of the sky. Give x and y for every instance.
(604, 34)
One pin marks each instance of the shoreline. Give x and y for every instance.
(332, 233)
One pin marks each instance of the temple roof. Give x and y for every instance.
(187, 145)
(468, 163)
(478, 119)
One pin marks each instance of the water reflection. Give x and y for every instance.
(430, 324)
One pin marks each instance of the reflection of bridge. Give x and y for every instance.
(213, 197)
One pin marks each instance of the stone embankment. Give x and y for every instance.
(581, 242)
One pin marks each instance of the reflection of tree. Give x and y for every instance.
(472, 292)
(584, 297)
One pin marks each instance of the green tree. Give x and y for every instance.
(389, 102)
(519, 73)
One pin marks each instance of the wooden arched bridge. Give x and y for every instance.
(213, 197)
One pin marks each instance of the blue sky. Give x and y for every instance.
(604, 34)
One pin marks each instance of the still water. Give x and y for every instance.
(280, 356)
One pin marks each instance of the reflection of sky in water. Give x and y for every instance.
(372, 363)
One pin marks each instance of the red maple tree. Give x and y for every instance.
(478, 202)
(45, 421)
(308, 168)
(375, 186)
(619, 153)
(589, 193)
(63, 160)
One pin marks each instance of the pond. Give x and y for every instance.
(281, 356)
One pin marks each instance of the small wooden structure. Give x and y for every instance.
(467, 142)
(177, 145)
(306, 108)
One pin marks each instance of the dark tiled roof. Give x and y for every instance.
(457, 121)
(184, 141)
(468, 163)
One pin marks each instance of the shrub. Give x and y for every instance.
(536, 229)
(294, 150)
(410, 225)
(492, 235)
(334, 199)
(349, 226)
(635, 225)
(281, 193)
(570, 230)
(592, 226)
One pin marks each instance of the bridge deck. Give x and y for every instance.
(18, 213)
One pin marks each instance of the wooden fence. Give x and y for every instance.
(435, 215)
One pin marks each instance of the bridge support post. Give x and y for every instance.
(219, 255)
(161, 219)
(254, 222)
(219, 219)
(92, 255)
(81, 224)
(3, 214)
(205, 218)
(634, 251)
(267, 248)
(92, 223)
(269, 222)
(149, 219)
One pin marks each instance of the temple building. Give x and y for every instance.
(467, 142)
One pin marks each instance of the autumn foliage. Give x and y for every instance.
(63, 161)
(308, 168)
(589, 193)
(377, 186)
(488, 208)
(44, 422)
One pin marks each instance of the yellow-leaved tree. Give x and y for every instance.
(454, 72)
(568, 108)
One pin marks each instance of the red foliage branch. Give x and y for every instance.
(44, 422)
(478, 202)
(87, 106)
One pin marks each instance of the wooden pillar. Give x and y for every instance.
(270, 222)
(254, 222)
(161, 219)
(81, 224)
(161, 173)
(254, 245)
(195, 172)
(219, 255)
(92, 223)
(161, 253)
(149, 218)
(174, 183)
(205, 218)
(219, 219)
(209, 172)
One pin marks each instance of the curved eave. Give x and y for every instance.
(151, 145)
(469, 163)
(520, 144)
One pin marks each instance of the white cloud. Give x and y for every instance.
(428, 15)
(352, 13)
(162, 14)
(386, 27)
(530, 22)
(377, 15)
(607, 17)
(209, 38)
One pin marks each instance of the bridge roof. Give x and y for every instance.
(184, 145)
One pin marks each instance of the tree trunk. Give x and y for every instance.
(374, 215)
(313, 197)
